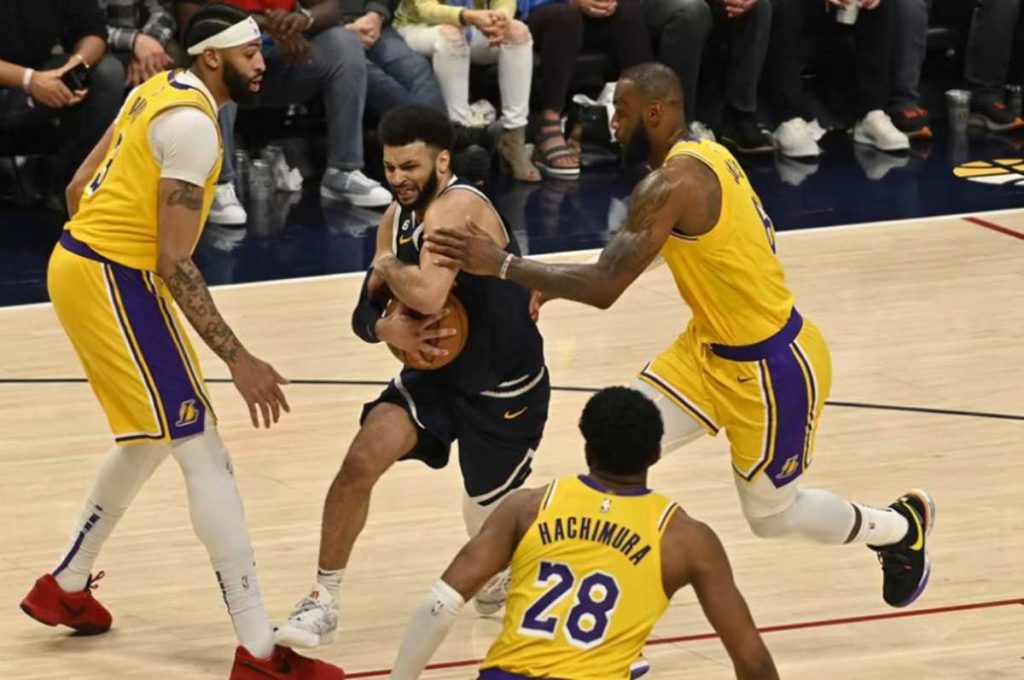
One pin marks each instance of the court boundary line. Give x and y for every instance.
(977, 221)
(799, 625)
(566, 388)
(591, 251)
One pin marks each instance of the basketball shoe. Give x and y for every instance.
(49, 604)
(905, 565)
(491, 597)
(284, 664)
(312, 623)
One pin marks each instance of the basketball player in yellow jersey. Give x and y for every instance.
(138, 204)
(595, 559)
(748, 363)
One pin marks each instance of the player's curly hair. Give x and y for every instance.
(622, 429)
(416, 123)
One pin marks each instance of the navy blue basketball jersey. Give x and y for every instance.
(503, 341)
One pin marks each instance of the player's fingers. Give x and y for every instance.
(434, 318)
(430, 351)
(279, 394)
(471, 226)
(447, 261)
(265, 410)
(445, 237)
(436, 333)
(275, 408)
(252, 413)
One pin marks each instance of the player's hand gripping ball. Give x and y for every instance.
(432, 336)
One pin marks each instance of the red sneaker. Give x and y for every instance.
(48, 604)
(284, 664)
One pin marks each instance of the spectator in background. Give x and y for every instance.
(989, 48)
(140, 35)
(31, 89)
(307, 53)
(479, 32)
(396, 75)
(562, 28)
(681, 29)
(873, 31)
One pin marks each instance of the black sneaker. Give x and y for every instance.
(741, 133)
(994, 115)
(905, 565)
(912, 121)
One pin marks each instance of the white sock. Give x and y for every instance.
(330, 580)
(121, 474)
(218, 518)
(877, 526)
(426, 631)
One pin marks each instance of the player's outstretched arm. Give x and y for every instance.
(653, 211)
(180, 211)
(706, 567)
(482, 557)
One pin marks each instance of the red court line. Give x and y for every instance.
(823, 623)
(995, 227)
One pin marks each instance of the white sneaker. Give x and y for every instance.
(876, 129)
(815, 127)
(794, 138)
(226, 208)
(355, 187)
(701, 131)
(313, 622)
(491, 597)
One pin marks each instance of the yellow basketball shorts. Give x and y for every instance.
(137, 357)
(768, 397)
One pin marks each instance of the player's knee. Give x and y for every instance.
(362, 467)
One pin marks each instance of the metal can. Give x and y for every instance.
(242, 167)
(261, 184)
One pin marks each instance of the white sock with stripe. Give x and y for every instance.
(330, 580)
(121, 474)
(218, 518)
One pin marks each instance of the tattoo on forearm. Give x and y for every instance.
(192, 295)
(623, 259)
(186, 194)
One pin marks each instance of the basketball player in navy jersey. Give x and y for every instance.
(492, 398)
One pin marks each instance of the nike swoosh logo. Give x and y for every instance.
(513, 416)
(75, 613)
(919, 543)
(402, 240)
(745, 379)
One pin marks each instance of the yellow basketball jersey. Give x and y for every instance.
(586, 584)
(730, 276)
(117, 216)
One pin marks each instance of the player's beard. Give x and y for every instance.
(238, 86)
(638, 146)
(427, 192)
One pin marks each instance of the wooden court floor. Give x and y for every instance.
(924, 314)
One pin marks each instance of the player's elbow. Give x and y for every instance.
(604, 298)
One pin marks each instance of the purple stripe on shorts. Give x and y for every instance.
(498, 674)
(792, 409)
(185, 410)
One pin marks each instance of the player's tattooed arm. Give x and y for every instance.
(653, 210)
(180, 213)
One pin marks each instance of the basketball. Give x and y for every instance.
(456, 319)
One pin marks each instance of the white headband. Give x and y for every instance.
(232, 36)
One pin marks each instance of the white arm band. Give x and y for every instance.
(427, 629)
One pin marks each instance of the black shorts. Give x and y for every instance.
(498, 432)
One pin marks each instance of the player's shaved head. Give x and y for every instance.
(654, 82)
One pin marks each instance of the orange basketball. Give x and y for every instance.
(456, 319)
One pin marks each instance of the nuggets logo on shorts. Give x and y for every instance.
(187, 413)
(998, 171)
